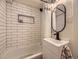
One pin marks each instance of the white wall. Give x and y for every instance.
(2, 27)
(75, 29)
(71, 28)
(22, 35)
(46, 21)
(70, 32)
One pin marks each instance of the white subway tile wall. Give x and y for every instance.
(22, 34)
(2, 26)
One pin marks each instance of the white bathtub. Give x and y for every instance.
(35, 56)
(22, 53)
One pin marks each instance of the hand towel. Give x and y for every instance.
(66, 53)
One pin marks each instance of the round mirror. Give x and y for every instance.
(59, 18)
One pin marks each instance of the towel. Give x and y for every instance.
(66, 53)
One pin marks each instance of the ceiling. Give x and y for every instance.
(32, 3)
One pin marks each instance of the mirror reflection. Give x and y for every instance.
(59, 18)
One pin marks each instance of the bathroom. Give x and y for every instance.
(26, 24)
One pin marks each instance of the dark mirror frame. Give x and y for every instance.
(57, 32)
(46, 1)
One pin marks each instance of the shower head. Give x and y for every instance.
(49, 1)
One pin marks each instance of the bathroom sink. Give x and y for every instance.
(57, 43)
(52, 48)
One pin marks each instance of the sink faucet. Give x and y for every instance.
(57, 36)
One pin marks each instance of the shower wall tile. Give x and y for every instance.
(22, 34)
(2, 26)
